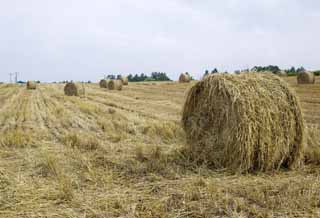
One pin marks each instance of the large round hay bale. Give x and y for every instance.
(306, 78)
(184, 78)
(115, 85)
(246, 122)
(31, 85)
(73, 89)
(103, 83)
(124, 80)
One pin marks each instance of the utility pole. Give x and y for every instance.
(10, 74)
(16, 77)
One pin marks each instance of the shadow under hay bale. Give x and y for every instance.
(306, 78)
(31, 85)
(103, 83)
(184, 78)
(73, 89)
(115, 85)
(124, 80)
(246, 122)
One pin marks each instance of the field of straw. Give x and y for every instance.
(119, 154)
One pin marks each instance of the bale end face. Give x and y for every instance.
(115, 85)
(306, 78)
(31, 85)
(103, 83)
(184, 78)
(73, 89)
(247, 122)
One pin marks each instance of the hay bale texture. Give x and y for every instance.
(31, 85)
(306, 78)
(184, 78)
(74, 89)
(103, 83)
(115, 85)
(124, 80)
(246, 122)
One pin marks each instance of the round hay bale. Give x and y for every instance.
(124, 80)
(115, 85)
(103, 83)
(31, 85)
(184, 78)
(73, 89)
(246, 122)
(282, 73)
(306, 78)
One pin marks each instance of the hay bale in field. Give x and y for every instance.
(124, 80)
(282, 73)
(306, 78)
(103, 83)
(184, 78)
(115, 85)
(246, 122)
(73, 89)
(31, 85)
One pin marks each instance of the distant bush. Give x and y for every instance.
(291, 73)
(149, 79)
(317, 73)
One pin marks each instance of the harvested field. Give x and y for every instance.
(119, 154)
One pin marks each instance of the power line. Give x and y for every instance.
(16, 77)
(10, 74)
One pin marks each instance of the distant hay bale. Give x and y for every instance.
(103, 83)
(282, 73)
(115, 85)
(306, 78)
(31, 85)
(124, 80)
(184, 78)
(73, 89)
(246, 122)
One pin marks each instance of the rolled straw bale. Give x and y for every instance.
(246, 122)
(115, 85)
(306, 78)
(103, 83)
(184, 78)
(282, 73)
(124, 80)
(31, 85)
(73, 89)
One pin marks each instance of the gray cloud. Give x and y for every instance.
(82, 40)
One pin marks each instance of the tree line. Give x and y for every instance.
(270, 68)
(155, 76)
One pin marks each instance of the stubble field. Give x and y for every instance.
(120, 154)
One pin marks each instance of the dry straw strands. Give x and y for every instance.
(246, 122)
(103, 83)
(31, 85)
(184, 78)
(73, 89)
(306, 78)
(115, 85)
(124, 80)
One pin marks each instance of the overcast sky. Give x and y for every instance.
(52, 40)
